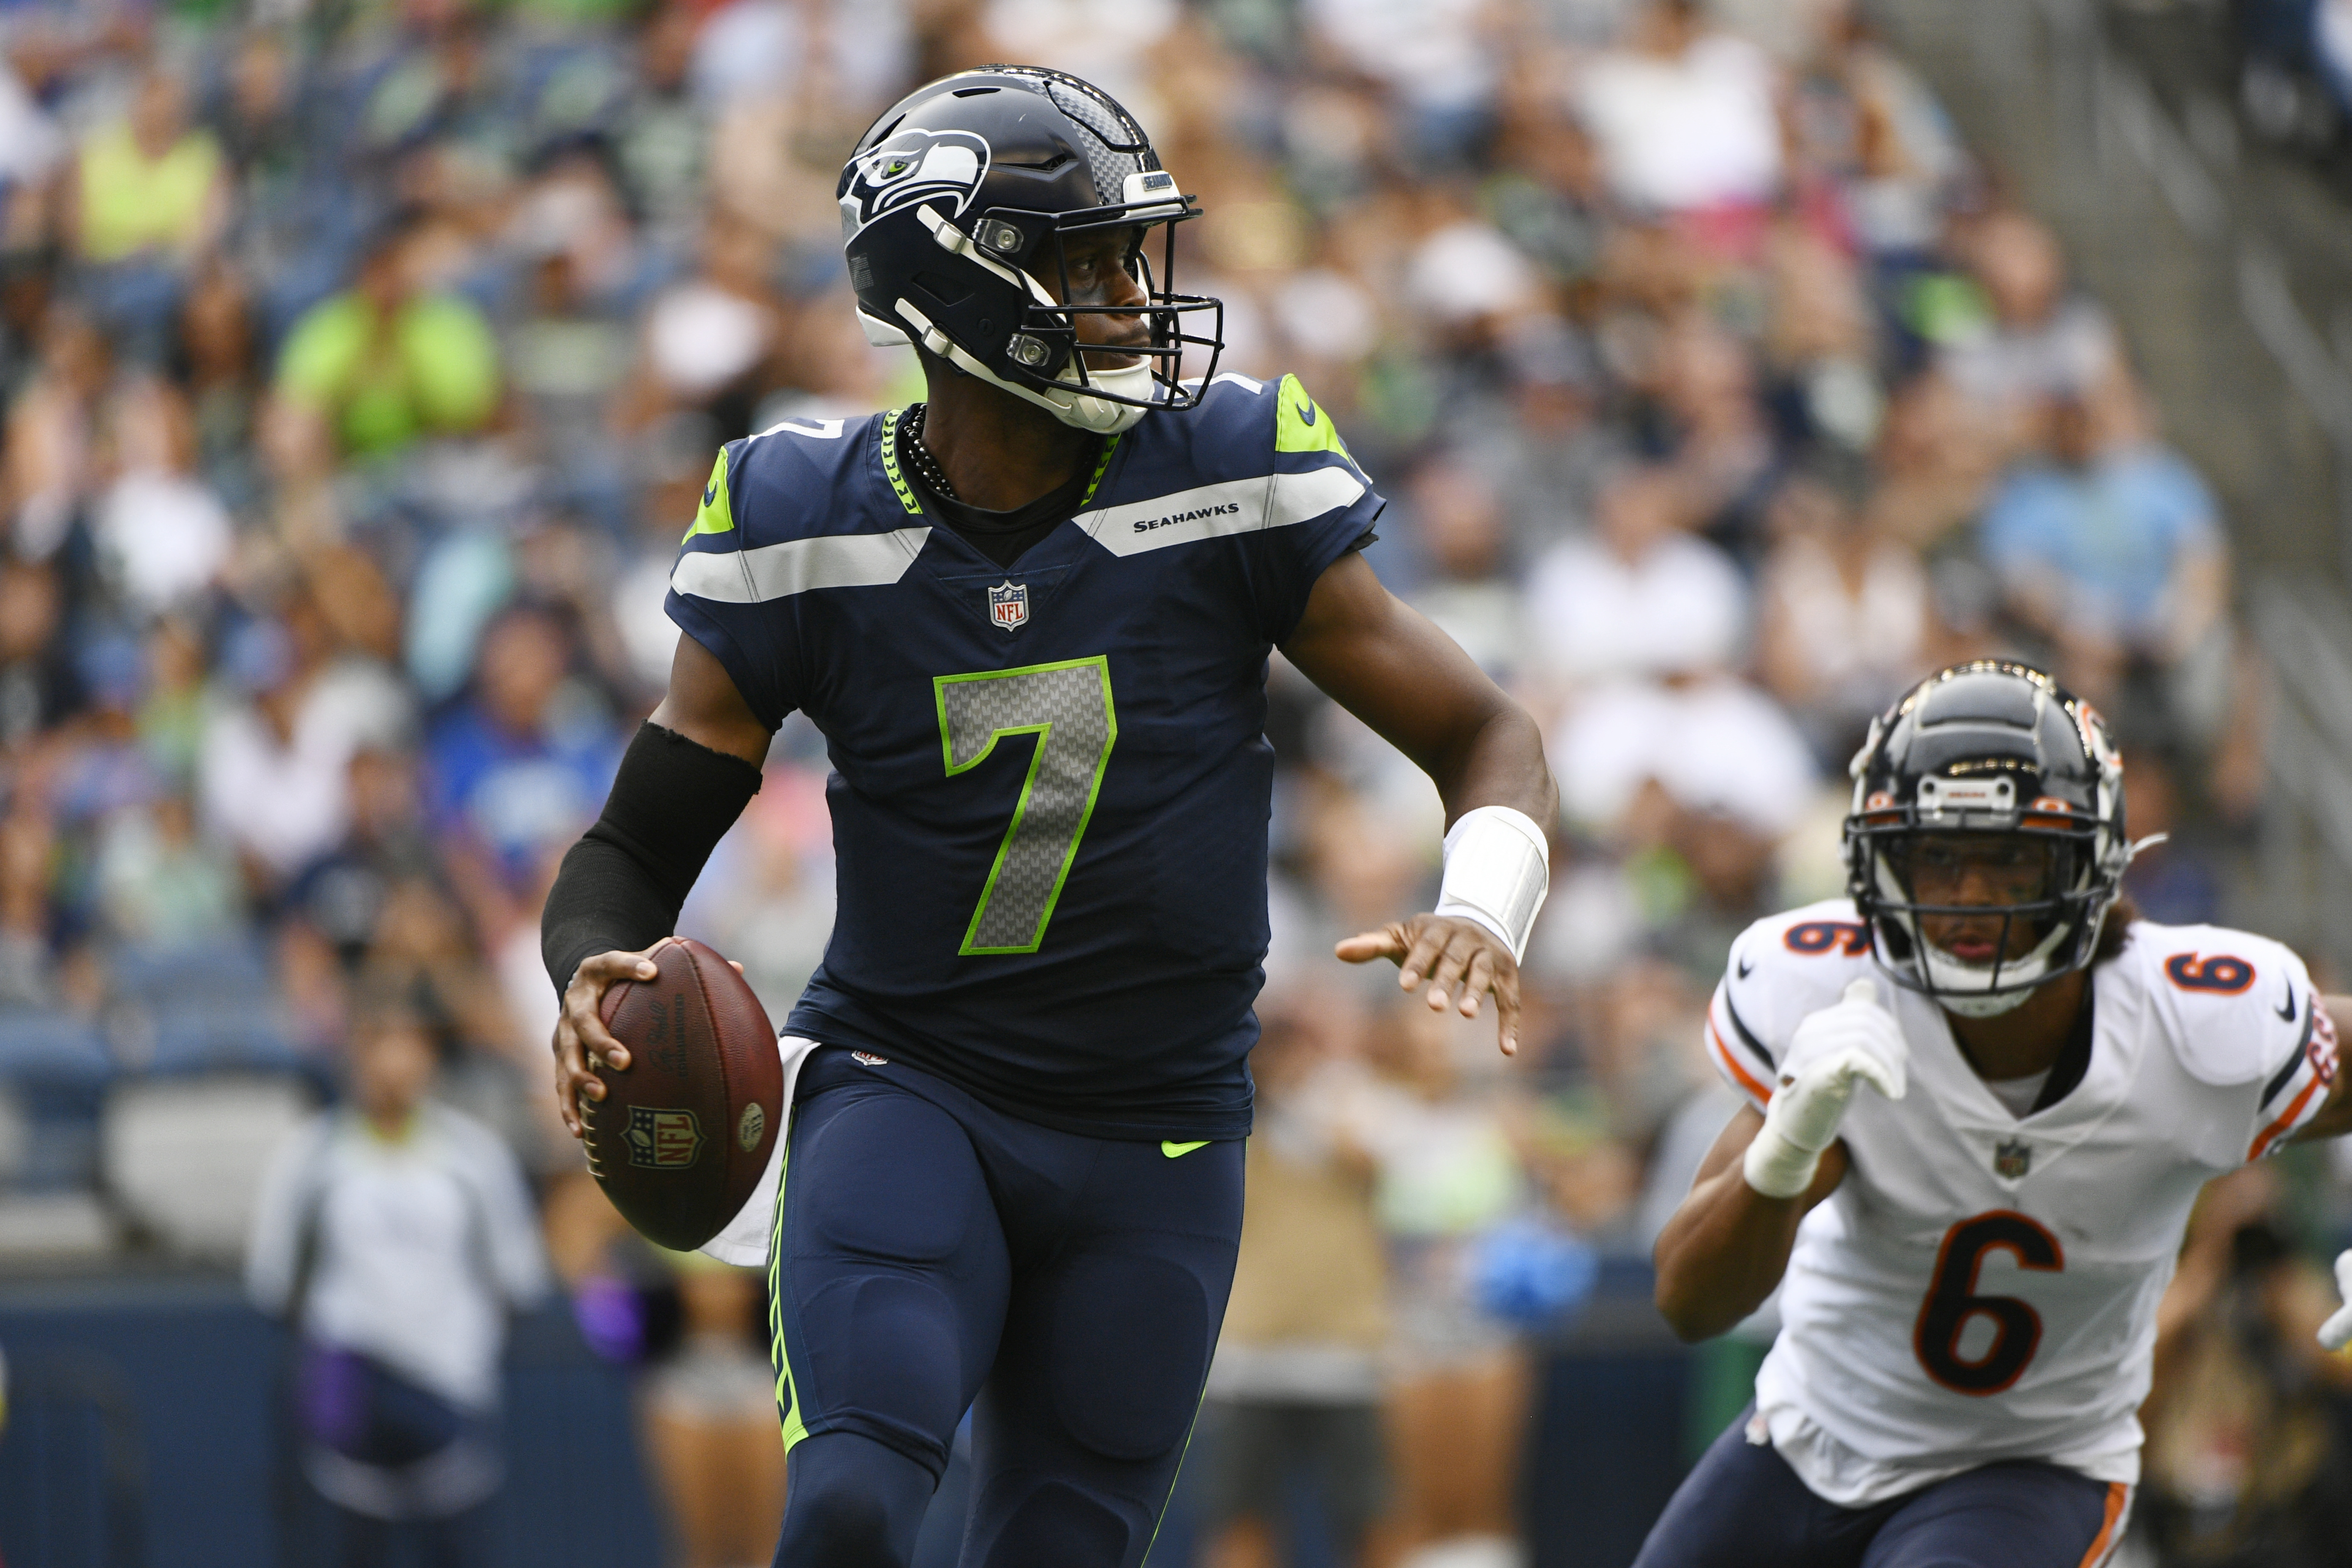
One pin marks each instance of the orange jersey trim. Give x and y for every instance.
(2117, 1495)
(2285, 1121)
(1731, 1064)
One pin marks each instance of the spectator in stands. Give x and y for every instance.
(163, 534)
(708, 338)
(2246, 1460)
(272, 777)
(1467, 592)
(2109, 553)
(1294, 1396)
(396, 1237)
(1844, 620)
(1712, 744)
(151, 195)
(1442, 1130)
(51, 433)
(512, 769)
(218, 367)
(710, 1422)
(1639, 598)
(343, 894)
(1429, 55)
(40, 689)
(1936, 452)
(162, 881)
(27, 870)
(366, 373)
(1685, 119)
(2039, 341)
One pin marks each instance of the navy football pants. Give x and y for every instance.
(931, 1251)
(1743, 1507)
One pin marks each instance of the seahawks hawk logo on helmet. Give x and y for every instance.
(908, 168)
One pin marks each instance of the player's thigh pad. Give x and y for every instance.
(1742, 1507)
(2023, 1515)
(1105, 1349)
(891, 1271)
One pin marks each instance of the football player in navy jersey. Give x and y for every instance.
(1032, 616)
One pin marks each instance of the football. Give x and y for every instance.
(683, 1134)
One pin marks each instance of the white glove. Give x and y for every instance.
(1855, 1040)
(2337, 1333)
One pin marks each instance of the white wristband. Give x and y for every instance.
(1497, 871)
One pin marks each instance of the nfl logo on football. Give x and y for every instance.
(2012, 1158)
(1008, 605)
(662, 1140)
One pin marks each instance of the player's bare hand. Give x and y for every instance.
(580, 1038)
(1460, 961)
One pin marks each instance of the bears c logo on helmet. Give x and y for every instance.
(909, 167)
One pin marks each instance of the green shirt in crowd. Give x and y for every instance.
(432, 369)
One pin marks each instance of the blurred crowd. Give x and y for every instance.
(362, 361)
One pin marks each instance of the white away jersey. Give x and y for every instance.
(1981, 1286)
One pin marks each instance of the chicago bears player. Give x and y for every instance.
(1032, 616)
(1970, 1254)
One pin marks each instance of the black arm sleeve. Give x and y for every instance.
(621, 886)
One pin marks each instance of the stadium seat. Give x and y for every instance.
(52, 1068)
(51, 1051)
(165, 979)
(185, 1158)
(246, 1035)
(54, 1228)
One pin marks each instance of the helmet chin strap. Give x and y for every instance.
(1078, 407)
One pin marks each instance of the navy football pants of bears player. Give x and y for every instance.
(931, 1251)
(1743, 1507)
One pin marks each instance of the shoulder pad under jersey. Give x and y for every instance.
(1781, 969)
(1244, 428)
(2232, 1005)
(795, 480)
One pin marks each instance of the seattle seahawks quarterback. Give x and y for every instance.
(1970, 1255)
(1032, 616)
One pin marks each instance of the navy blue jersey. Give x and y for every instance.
(1050, 781)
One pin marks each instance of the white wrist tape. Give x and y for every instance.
(1777, 1167)
(1497, 871)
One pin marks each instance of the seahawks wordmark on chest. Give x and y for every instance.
(877, 560)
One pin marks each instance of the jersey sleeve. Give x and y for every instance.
(2298, 1091)
(1783, 968)
(2248, 1023)
(1320, 504)
(715, 598)
(1740, 1059)
(1740, 1019)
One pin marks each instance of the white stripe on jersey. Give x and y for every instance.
(779, 571)
(1210, 512)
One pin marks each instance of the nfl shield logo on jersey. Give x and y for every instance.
(2012, 1158)
(1008, 605)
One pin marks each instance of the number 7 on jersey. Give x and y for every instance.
(1068, 706)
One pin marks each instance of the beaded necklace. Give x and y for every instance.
(917, 457)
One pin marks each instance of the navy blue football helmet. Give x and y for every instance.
(956, 204)
(1987, 748)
